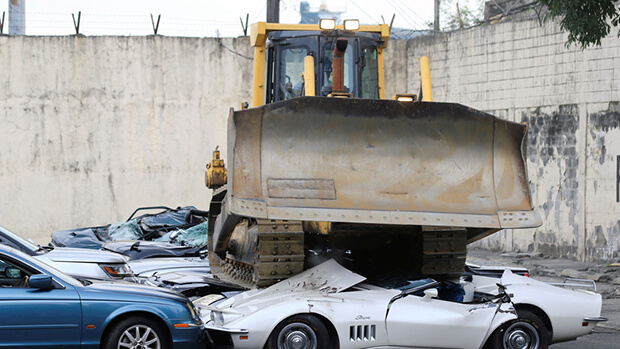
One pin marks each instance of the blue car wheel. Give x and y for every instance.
(137, 332)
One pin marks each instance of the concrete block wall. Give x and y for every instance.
(569, 98)
(93, 127)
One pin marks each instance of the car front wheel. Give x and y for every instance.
(136, 332)
(299, 332)
(518, 334)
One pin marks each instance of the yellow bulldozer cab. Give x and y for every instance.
(293, 58)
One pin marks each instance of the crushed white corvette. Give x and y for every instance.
(331, 307)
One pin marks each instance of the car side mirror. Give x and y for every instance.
(13, 273)
(429, 294)
(40, 281)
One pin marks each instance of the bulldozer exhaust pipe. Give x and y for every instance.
(338, 65)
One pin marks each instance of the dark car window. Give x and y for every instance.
(13, 274)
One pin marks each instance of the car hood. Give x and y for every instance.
(81, 237)
(191, 283)
(80, 255)
(324, 279)
(138, 249)
(146, 267)
(109, 291)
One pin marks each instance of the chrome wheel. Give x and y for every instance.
(139, 337)
(521, 335)
(297, 336)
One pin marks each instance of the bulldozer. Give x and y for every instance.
(322, 165)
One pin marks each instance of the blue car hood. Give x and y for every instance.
(111, 290)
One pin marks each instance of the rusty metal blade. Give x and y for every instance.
(378, 161)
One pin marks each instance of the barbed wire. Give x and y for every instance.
(57, 23)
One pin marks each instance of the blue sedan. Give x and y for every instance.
(40, 307)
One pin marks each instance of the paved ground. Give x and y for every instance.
(601, 338)
(607, 278)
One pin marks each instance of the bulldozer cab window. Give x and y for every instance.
(290, 81)
(327, 70)
(370, 73)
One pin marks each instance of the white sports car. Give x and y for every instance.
(331, 307)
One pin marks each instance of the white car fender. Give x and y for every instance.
(565, 308)
(344, 311)
(505, 312)
(357, 315)
(258, 327)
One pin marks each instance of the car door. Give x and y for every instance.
(422, 322)
(35, 318)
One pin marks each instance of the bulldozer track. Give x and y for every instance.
(278, 253)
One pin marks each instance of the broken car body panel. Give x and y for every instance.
(567, 308)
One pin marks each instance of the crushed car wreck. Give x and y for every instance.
(179, 232)
(190, 276)
(329, 306)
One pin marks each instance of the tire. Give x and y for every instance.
(299, 332)
(526, 314)
(135, 331)
(520, 333)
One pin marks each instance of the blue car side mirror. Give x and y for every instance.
(40, 281)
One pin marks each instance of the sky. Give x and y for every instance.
(200, 18)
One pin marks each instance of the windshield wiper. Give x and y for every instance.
(45, 248)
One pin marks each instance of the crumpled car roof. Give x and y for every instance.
(148, 227)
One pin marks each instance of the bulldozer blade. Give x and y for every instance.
(378, 162)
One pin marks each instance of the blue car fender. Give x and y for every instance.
(98, 316)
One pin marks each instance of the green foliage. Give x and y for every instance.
(586, 21)
(470, 14)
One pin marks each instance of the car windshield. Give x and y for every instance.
(402, 281)
(19, 240)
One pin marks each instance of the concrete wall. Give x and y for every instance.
(93, 127)
(570, 100)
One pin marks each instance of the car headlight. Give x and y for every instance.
(208, 299)
(116, 270)
(217, 318)
(192, 310)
